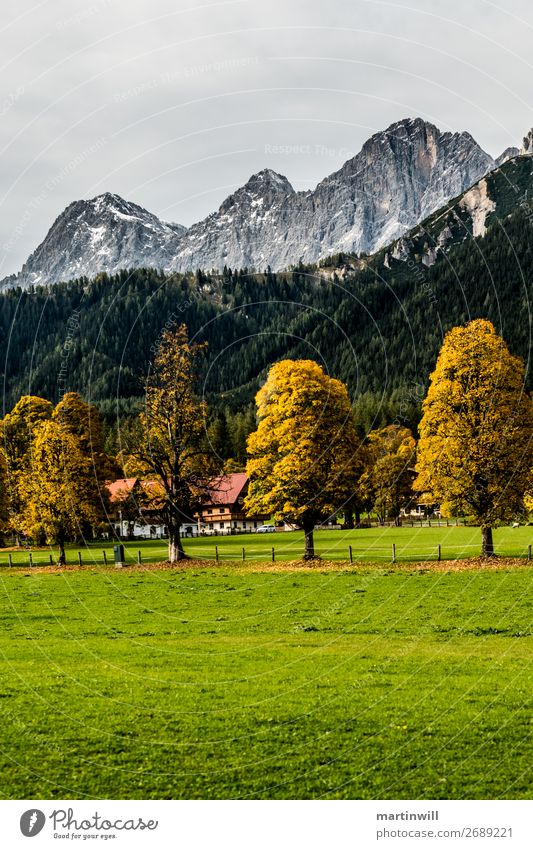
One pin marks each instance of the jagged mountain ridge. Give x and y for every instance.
(400, 176)
(106, 233)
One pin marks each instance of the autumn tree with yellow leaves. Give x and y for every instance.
(476, 433)
(84, 422)
(18, 430)
(172, 440)
(304, 461)
(4, 496)
(58, 491)
(55, 468)
(387, 481)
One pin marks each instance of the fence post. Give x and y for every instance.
(139, 557)
(243, 552)
(79, 558)
(438, 549)
(273, 555)
(394, 552)
(105, 556)
(216, 553)
(528, 554)
(11, 559)
(31, 559)
(351, 556)
(51, 560)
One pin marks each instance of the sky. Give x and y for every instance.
(174, 104)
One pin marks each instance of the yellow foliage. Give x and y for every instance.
(387, 482)
(18, 433)
(58, 489)
(4, 494)
(84, 421)
(475, 448)
(173, 444)
(303, 458)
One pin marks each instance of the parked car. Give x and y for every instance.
(266, 529)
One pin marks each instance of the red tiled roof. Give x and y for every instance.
(226, 488)
(120, 489)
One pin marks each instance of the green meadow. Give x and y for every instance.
(373, 545)
(233, 681)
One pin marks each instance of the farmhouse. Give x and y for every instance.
(136, 508)
(221, 509)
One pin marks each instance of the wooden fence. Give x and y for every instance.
(394, 553)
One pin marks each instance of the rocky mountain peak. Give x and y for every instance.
(104, 233)
(110, 205)
(401, 175)
(264, 188)
(267, 181)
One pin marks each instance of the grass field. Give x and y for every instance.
(223, 681)
(368, 545)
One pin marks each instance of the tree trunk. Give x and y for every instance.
(62, 559)
(175, 547)
(348, 518)
(487, 545)
(309, 553)
(357, 517)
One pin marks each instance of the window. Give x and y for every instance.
(221, 525)
(255, 524)
(222, 509)
(209, 511)
(244, 524)
(210, 526)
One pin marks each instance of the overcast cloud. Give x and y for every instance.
(175, 103)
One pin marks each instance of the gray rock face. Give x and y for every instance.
(527, 144)
(508, 153)
(252, 226)
(106, 233)
(400, 176)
